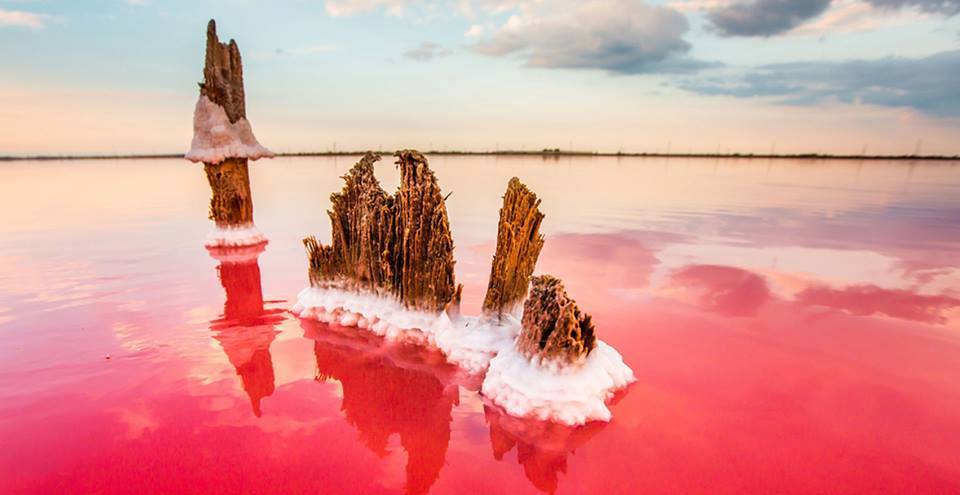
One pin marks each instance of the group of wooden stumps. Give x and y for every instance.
(401, 245)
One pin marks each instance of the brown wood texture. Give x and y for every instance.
(518, 246)
(231, 204)
(553, 327)
(398, 244)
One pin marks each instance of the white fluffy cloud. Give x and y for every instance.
(426, 51)
(622, 36)
(345, 8)
(23, 19)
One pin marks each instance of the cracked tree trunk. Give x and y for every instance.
(398, 244)
(518, 246)
(231, 204)
(554, 328)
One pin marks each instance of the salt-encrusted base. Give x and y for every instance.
(237, 254)
(215, 138)
(472, 342)
(571, 394)
(243, 236)
(467, 342)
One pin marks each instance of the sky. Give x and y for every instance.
(784, 76)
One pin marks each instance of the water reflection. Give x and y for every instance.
(390, 389)
(246, 330)
(866, 300)
(726, 290)
(542, 447)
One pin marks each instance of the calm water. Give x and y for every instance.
(794, 327)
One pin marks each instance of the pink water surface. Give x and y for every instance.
(794, 327)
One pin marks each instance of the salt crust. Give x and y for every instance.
(239, 236)
(215, 138)
(571, 394)
(467, 342)
(237, 254)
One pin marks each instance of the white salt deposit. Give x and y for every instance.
(237, 254)
(467, 342)
(246, 235)
(570, 394)
(472, 342)
(215, 138)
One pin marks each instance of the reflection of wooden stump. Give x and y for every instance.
(231, 204)
(246, 330)
(542, 446)
(553, 326)
(398, 244)
(383, 396)
(518, 246)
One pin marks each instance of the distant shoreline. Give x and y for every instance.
(543, 153)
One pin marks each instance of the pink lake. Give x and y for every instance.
(794, 327)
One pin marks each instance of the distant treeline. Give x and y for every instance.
(546, 152)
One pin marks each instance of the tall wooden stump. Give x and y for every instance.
(518, 246)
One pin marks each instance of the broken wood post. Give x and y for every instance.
(400, 245)
(553, 327)
(425, 261)
(518, 246)
(223, 140)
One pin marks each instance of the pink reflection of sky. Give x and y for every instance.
(753, 376)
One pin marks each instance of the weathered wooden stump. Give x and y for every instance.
(553, 327)
(400, 244)
(518, 246)
(231, 204)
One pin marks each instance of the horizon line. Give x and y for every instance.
(546, 153)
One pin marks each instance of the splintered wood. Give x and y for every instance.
(223, 75)
(518, 246)
(398, 244)
(231, 204)
(553, 327)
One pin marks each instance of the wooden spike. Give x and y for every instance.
(223, 75)
(518, 246)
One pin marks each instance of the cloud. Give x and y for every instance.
(426, 51)
(23, 19)
(345, 8)
(846, 16)
(945, 7)
(774, 17)
(925, 84)
(764, 17)
(474, 31)
(619, 36)
(306, 50)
